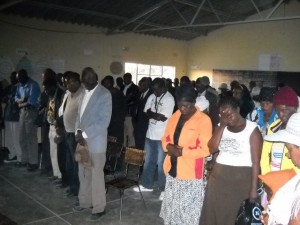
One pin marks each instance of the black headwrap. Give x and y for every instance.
(186, 92)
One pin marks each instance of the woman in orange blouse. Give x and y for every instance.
(185, 141)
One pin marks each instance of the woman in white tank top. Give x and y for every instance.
(235, 174)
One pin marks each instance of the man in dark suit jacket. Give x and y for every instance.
(141, 120)
(203, 88)
(131, 92)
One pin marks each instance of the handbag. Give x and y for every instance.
(249, 213)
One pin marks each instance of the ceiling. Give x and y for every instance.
(176, 19)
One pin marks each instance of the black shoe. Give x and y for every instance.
(52, 178)
(57, 181)
(70, 195)
(95, 216)
(62, 185)
(32, 167)
(78, 208)
(20, 164)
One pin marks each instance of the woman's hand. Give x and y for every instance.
(174, 150)
(264, 217)
(225, 116)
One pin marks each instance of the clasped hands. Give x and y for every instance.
(174, 150)
(79, 138)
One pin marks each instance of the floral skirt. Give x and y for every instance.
(183, 200)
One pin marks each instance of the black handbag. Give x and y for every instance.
(249, 213)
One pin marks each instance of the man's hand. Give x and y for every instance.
(79, 138)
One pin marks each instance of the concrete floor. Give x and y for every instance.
(30, 198)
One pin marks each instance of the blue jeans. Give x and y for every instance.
(155, 156)
(71, 164)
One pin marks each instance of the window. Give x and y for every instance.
(144, 70)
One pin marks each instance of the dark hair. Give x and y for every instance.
(49, 74)
(50, 82)
(229, 101)
(73, 76)
(267, 94)
(89, 70)
(185, 79)
(128, 74)
(160, 82)
(110, 79)
(187, 93)
(22, 73)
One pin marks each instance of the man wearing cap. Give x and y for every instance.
(273, 156)
(285, 203)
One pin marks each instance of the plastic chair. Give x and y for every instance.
(133, 157)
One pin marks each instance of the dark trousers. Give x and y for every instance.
(71, 165)
(45, 149)
(61, 158)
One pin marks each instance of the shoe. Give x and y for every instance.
(143, 189)
(95, 216)
(46, 172)
(10, 160)
(53, 178)
(70, 195)
(61, 185)
(32, 167)
(20, 164)
(77, 208)
(57, 181)
(161, 196)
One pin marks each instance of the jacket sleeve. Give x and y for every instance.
(166, 139)
(265, 158)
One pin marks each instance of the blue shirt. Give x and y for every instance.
(30, 91)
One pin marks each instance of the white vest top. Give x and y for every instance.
(235, 147)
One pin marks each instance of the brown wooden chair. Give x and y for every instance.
(133, 157)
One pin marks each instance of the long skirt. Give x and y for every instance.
(227, 187)
(182, 202)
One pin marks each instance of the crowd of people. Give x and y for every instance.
(205, 149)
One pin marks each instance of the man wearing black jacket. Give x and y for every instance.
(131, 92)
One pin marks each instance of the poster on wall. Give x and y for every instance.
(6, 67)
(269, 62)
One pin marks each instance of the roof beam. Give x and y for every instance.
(143, 21)
(255, 6)
(223, 24)
(274, 9)
(197, 12)
(179, 13)
(155, 7)
(214, 11)
(74, 10)
(195, 5)
(9, 4)
(99, 14)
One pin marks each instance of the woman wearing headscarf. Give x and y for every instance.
(234, 175)
(185, 142)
